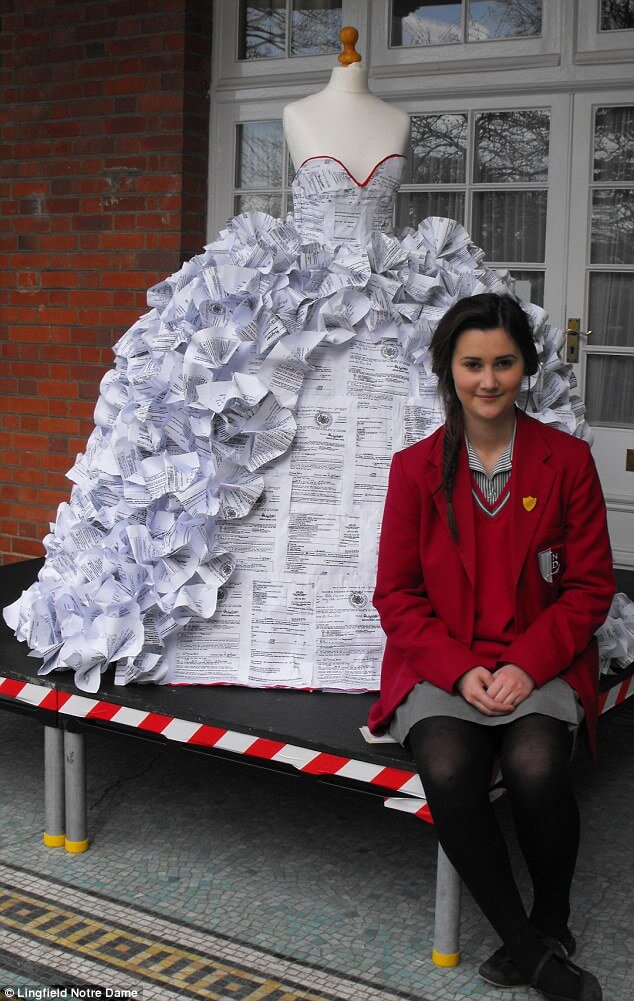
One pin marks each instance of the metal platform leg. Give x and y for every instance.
(53, 836)
(75, 792)
(446, 950)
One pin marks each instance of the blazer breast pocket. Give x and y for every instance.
(552, 561)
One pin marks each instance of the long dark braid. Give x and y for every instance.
(478, 312)
(454, 431)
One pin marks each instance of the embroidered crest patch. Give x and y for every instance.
(551, 564)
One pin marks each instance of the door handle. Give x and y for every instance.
(573, 333)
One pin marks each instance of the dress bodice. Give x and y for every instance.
(330, 205)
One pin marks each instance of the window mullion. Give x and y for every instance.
(471, 132)
(287, 37)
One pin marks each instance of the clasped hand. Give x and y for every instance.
(495, 693)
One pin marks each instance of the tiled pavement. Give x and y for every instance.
(209, 879)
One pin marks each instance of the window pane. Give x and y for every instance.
(536, 280)
(614, 144)
(426, 23)
(510, 225)
(260, 148)
(412, 207)
(612, 226)
(611, 312)
(259, 203)
(315, 27)
(616, 14)
(512, 146)
(609, 396)
(504, 19)
(438, 150)
(262, 32)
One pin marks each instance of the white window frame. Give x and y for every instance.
(560, 108)
(506, 53)
(223, 143)
(595, 46)
(236, 72)
(610, 443)
(581, 215)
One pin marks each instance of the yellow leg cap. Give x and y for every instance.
(76, 847)
(445, 958)
(54, 840)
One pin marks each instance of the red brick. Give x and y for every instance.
(59, 279)
(27, 548)
(32, 334)
(126, 85)
(123, 241)
(27, 442)
(58, 408)
(22, 188)
(63, 389)
(26, 404)
(58, 241)
(91, 298)
(57, 425)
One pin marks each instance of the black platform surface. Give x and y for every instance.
(323, 721)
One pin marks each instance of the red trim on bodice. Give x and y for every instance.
(359, 184)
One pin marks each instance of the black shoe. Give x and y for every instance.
(500, 970)
(588, 987)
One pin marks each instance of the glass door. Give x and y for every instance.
(601, 294)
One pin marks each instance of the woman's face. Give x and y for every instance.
(487, 369)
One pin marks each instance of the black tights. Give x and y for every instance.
(455, 759)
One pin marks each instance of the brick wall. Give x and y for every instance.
(103, 172)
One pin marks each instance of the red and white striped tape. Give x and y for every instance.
(615, 695)
(34, 695)
(305, 759)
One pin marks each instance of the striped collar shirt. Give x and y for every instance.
(492, 486)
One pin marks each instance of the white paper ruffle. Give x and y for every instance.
(616, 636)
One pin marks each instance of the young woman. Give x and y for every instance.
(494, 572)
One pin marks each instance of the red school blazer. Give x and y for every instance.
(425, 580)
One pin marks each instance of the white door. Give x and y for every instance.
(600, 293)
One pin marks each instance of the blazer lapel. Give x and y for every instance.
(531, 484)
(461, 502)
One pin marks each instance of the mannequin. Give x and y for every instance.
(346, 121)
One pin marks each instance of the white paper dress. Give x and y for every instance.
(224, 519)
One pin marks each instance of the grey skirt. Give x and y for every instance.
(556, 698)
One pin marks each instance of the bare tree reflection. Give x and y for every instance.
(262, 29)
(439, 23)
(425, 24)
(612, 226)
(314, 27)
(512, 146)
(616, 15)
(504, 18)
(614, 144)
(260, 150)
(438, 149)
